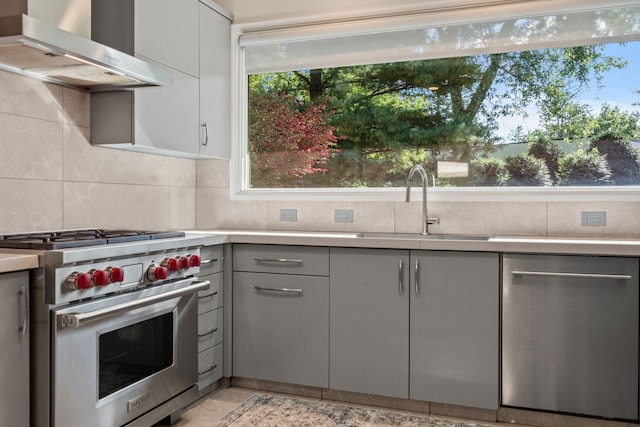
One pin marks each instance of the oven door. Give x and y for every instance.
(116, 358)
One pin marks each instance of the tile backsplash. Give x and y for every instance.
(52, 178)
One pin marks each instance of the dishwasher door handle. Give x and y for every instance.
(570, 275)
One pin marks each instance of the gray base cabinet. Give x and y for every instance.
(281, 335)
(14, 357)
(281, 314)
(454, 332)
(416, 324)
(369, 337)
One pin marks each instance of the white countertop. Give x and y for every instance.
(521, 244)
(17, 261)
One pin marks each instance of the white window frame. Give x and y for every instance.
(443, 12)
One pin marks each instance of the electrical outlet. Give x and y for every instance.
(343, 215)
(594, 218)
(289, 215)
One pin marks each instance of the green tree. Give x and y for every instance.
(613, 123)
(525, 170)
(584, 168)
(622, 158)
(488, 173)
(548, 151)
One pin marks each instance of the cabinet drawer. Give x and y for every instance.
(281, 334)
(212, 259)
(210, 329)
(311, 261)
(210, 366)
(211, 298)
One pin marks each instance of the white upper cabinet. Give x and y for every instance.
(191, 117)
(215, 87)
(167, 31)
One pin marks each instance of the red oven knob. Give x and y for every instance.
(80, 280)
(100, 277)
(116, 274)
(171, 263)
(184, 262)
(156, 272)
(194, 260)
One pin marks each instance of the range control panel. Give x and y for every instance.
(96, 279)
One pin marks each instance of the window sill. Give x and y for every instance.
(485, 194)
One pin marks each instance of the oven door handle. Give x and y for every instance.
(76, 320)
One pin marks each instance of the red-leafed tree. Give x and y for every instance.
(287, 140)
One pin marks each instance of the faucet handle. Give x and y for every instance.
(433, 220)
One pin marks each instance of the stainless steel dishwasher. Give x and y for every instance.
(570, 334)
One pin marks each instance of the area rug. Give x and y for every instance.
(262, 410)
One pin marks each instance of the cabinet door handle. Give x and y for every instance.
(207, 296)
(279, 260)
(208, 261)
(209, 332)
(570, 275)
(401, 276)
(283, 290)
(206, 134)
(24, 310)
(417, 278)
(209, 369)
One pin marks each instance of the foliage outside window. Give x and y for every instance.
(365, 125)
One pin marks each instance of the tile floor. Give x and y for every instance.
(208, 411)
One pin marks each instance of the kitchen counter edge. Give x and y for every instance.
(13, 261)
(524, 244)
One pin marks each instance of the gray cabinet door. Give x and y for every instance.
(369, 321)
(14, 357)
(215, 84)
(454, 332)
(281, 328)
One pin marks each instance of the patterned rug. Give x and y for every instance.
(262, 410)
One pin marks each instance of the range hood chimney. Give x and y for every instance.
(36, 48)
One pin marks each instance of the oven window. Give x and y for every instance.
(130, 354)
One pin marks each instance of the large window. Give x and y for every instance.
(548, 100)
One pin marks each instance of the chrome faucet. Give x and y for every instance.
(425, 183)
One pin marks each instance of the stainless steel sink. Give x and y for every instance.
(417, 236)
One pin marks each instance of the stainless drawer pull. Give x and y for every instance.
(209, 369)
(417, 278)
(280, 260)
(570, 275)
(209, 332)
(208, 295)
(284, 290)
(208, 261)
(400, 276)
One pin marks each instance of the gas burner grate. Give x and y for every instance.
(78, 238)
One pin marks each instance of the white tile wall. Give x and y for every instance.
(52, 178)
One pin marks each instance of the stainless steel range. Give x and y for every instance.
(114, 326)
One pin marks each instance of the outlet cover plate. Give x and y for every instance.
(343, 215)
(591, 219)
(289, 215)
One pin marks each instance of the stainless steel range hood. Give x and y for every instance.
(34, 48)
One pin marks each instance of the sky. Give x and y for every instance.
(618, 86)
